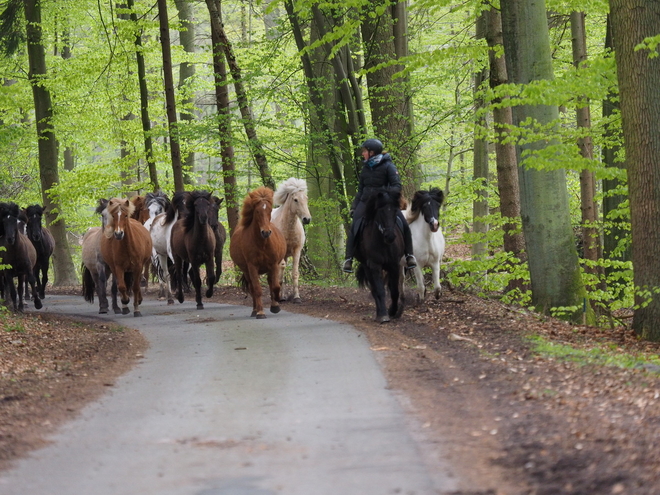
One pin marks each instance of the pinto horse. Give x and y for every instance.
(290, 217)
(125, 248)
(20, 255)
(193, 242)
(95, 271)
(43, 243)
(257, 247)
(380, 249)
(428, 242)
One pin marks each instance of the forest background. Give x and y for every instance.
(523, 113)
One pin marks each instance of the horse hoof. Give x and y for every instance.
(200, 306)
(209, 293)
(37, 304)
(274, 309)
(261, 316)
(180, 299)
(170, 301)
(383, 319)
(254, 313)
(125, 311)
(137, 313)
(297, 300)
(103, 311)
(117, 311)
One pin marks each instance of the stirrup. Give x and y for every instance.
(348, 266)
(411, 262)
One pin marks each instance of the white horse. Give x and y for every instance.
(428, 242)
(292, 213)
(162, 216)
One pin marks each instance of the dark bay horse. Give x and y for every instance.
(20, 255)
(423, 216)
(95, 271)
(43, 243)
(125, 248)
(193, 241)
(380, 248)
(257, 247)
(220, 235)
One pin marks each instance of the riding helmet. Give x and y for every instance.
(373, 145)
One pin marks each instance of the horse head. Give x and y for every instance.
(9, 219)
(293, 194)
(119, 212)
(198, 208)
(383, 209)
(428, 204)
(34, 215)
(156, 203)
(257, 208)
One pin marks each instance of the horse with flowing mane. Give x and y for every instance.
(125, 248)
(20, 255)
(193, 241)
(428, 242)
(95, 271)
(290, 217)
(257, 247)
(43, 243)
(380, 249)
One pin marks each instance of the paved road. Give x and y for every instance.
(227, 404)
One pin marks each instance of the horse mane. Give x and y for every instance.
(139, 205)
(419, 198)
(189, 217)
(379, 198)
(177, 205)
(157, 197)
(289, 186)
(127, 208)
(253, 197)
(34, 210)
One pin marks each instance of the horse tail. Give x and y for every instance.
(361, 275)
(243, 282)
(155, 263)
(87, 284)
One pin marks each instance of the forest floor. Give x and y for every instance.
(469, 368)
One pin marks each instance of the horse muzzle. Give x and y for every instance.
(306, 220)
(119, 234)
(266, 233)
(434, 225)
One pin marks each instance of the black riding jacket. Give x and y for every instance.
(382, 174)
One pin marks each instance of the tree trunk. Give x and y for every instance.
(144, 101)
(590, 235)
(638, 75)
(170, 102)
(256, 147)
(186, 73)
(553, 262)
(505, 152)
(480, 156)
(64, 271)
(232, 199)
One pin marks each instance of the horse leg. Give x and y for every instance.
(137, 293)
(162, 259)
(120, 279)
(256, 291)
(21, 282)
(44, 279)
(274, 285)
(437, 288)
(114, 291)
(179, 276)
(33, 286)
(375, 274)
(295, 271)
(210, 276)
(197, 283)
(419, 278)
(394, 276)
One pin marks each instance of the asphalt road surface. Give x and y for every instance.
(224, 404)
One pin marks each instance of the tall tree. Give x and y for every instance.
(170, 102)
(554, 269)
(638, 72)
(65, 273)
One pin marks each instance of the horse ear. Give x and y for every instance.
(218, 200)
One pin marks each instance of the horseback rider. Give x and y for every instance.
(378, 171)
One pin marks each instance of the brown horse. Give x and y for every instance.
(125, 248)
(19, 255)
(194, 241)
(257, 247)
(95, 272)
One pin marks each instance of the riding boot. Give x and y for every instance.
(411, 262)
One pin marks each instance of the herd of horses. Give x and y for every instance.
(174, 238)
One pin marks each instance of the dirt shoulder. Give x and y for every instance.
(515, 421)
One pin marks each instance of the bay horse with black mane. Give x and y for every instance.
(43, 243)
(125, 248)
(257, 247)
(193, 242)
(380, 248)
(20, 255)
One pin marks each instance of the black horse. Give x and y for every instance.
(379, 250)
(43, 242)
(19, 258)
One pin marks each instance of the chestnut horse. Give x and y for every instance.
(257, 247)
(43, 243)
(193, 242)
(290, 217)
(125, 248)
(20, 256)
(379, 251)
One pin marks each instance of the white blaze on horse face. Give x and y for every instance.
(119, 232)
